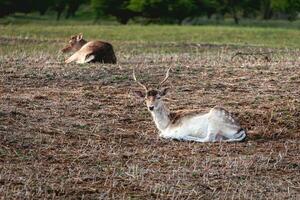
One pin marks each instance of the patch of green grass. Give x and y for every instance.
(265, 37)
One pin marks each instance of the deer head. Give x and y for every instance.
(152, 97)
(74, 44)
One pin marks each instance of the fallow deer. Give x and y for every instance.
(216, 125)
(93, 51)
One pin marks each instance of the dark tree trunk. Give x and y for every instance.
(72, 8)
(235, 17)
(209, 15)
(69, 14)
(43, 11)
(123, 20)
(267, 9)
(59, 12)
(59, 9)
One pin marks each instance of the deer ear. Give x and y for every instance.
(79, 36)
(163, 91)
(139, 94)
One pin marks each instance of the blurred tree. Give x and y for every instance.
(160, 10)
(181, 9)
(24, 6)
(6, 7)
(12, 6)
(73, 6)
(293, 9)
(42, 6)
(236, 8)
(251, 8)
(117, 8)
(59, 6)
(152, 9)
(207, 7)
(165, 10)
(232, 7)
(221, 7)
(289, 7)
(266, 8)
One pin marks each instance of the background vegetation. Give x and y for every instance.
(160, 11)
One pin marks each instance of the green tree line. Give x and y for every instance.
(166, 11)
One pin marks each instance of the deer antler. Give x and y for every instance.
(166, 78)
(138, 82)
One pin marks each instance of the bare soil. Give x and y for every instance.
(76, 131)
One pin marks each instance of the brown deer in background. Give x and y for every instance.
(93, 51)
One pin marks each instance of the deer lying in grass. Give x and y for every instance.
(216, 125)
(93, 51)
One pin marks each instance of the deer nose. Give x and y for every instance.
(151, 108)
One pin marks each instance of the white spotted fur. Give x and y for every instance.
(215, 125)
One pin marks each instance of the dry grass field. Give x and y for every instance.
(76, 132)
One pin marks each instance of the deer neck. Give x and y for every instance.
(80, 44)
(161, 117)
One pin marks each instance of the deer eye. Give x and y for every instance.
(158, 97)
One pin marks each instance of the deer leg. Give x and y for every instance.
(181, 138)
(89, 58)
(239, 136)
(210, 137)
(71, 58)
(194, 139)
(211, 134)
